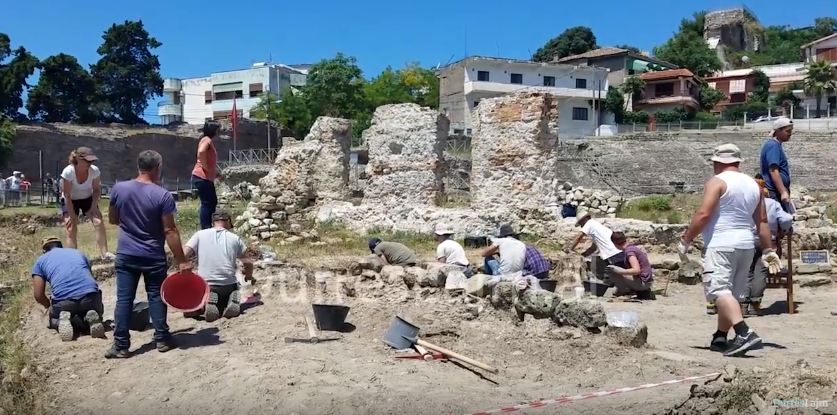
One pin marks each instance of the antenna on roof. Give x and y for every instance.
(466, 40)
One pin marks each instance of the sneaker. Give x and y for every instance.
(166, 345)
(212, 312)
(108, 256)
(719, 344)
(65, 326)
(114, 353)
(710, 309)
(94, 321)
(233, 305)
(741, 344)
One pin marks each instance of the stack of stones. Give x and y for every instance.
(810, 212)
(595, 202)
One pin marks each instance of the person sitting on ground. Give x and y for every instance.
(393, 253)
(76, 303)
(636, 276)
(512, 253)
(449, 251)
(218, 250)
(609, 254)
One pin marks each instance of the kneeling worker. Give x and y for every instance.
(76, 300)
(393, 253)
(512, 253)
(637, 276)
(218, 250)
(449, 251)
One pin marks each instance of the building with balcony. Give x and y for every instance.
(670, 89)
(823, 49)
(463, 84)
(621, 63)
(195, 100)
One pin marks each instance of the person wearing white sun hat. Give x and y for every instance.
(449, 251)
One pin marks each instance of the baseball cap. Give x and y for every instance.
(726, 154)
(443, 229)
(49, 240)
(781, 122)
(86, 153)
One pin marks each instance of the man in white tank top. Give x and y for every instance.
(732, 206)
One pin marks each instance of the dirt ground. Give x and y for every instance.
(243, 365)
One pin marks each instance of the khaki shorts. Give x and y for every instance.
(726, 272)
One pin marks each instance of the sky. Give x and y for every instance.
(199, 37)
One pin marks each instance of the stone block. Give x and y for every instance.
(371, 262)
(812, 280)
(580, 313)
(502, 295)
(538, 303)
(479, 285)
(433, 276)
(635, 336)
(392, 273)
(368, 275)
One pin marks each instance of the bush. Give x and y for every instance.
(675, 115)
(706, 117)
(639, 117)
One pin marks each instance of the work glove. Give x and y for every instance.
(771, 261)
(683, 247)
(616, 269)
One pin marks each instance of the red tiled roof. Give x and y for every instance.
(667, 74)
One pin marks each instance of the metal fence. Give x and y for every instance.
(800, 124)
(250, 156)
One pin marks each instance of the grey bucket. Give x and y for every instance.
(401, 333)
(330, 317)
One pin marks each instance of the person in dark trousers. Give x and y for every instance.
(76, 304)
(205, 173)
(635, 276)
(144, 212)
(774, 167)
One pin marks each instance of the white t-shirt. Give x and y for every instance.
(452, 252)
(217, 251)
(600, 235)
(731, 225)
(512, 254)
(80, 190)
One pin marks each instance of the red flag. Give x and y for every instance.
(234, 119)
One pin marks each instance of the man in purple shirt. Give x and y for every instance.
(144, 212)
(636, 276)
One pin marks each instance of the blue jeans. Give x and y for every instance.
(128, 271)
(492, 266)
(209, 200)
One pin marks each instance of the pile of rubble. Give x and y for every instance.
(795, 390)
(599, 203)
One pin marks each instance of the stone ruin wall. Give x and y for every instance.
(734, 28)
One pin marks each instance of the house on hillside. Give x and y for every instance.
(669, 89)
(823, 49)
(621, 63)
(463, 84)
(737, 86)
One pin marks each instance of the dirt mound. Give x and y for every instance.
(798, 389)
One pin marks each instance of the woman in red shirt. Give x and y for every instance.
(205, 172)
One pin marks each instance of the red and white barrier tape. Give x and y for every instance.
(568, 399)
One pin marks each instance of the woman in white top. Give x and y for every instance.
(81, 189)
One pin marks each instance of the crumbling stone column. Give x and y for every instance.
(330, 172)
(513, 163)
(406, 144)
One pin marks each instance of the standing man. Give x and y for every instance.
(144, 212)
(218, 251)
(732, 206)
(774, 163)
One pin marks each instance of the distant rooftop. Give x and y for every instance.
(667, 74)
(505, 60)
(608, 51)
(820, 40)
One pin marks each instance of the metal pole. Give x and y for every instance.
(40, 174)
(745, 120)
(268, 122)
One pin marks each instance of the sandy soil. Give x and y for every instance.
(243, 365)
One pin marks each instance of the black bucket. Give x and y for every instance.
(597, 288)
(476, 241)
(568, 210)
(330, 317)
(548, 285)
(401, 333)
(140, 317)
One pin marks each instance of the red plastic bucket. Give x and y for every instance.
(185, 291)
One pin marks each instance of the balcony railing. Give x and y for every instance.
(171, 84)
(169, 108)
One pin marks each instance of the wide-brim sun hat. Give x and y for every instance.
(727, 154)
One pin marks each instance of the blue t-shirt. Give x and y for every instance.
(772, 154)
(141, 209)
(68, 273)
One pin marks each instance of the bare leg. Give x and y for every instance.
(729, 312)
(71, 225)
(99, 227)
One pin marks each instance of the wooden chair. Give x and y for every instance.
(784, 279)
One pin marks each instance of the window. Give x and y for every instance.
(207, 97)
(737, 97)
(256, 90)
(468, 132)
(516, 78)
(579, 114)
(737, 85)
(548, 81)
(220, 96)
(581, 83)
(482, 76)
(457, 131)
(664, 90)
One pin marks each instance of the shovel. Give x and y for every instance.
(313, 335)
(402, 335)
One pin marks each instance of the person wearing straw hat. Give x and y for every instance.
(511, 252)
(732, 206)
(76, 304)
(773, 163)
(218, 251)
(449, 251)
(81, 189)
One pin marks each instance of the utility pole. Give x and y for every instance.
(268, 127)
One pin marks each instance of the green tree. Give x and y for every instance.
(687, 49)
(820, 80)
(695, 24)
(824, 26)
(7, 135)
(291, 112)
(128, 74)
(572, 41)
(786, 99)
(335, 88)
(13, 76)
(761, 86)
(422, 85)
(709, 97)
(387, 88)
(633, 86)
(615, 103)
(63, 92)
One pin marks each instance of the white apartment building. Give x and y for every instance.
(465, 83)
(195, 100)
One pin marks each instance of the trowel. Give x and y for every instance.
(313, 335)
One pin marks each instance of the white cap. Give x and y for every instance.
(781, 122)
(443, 229)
